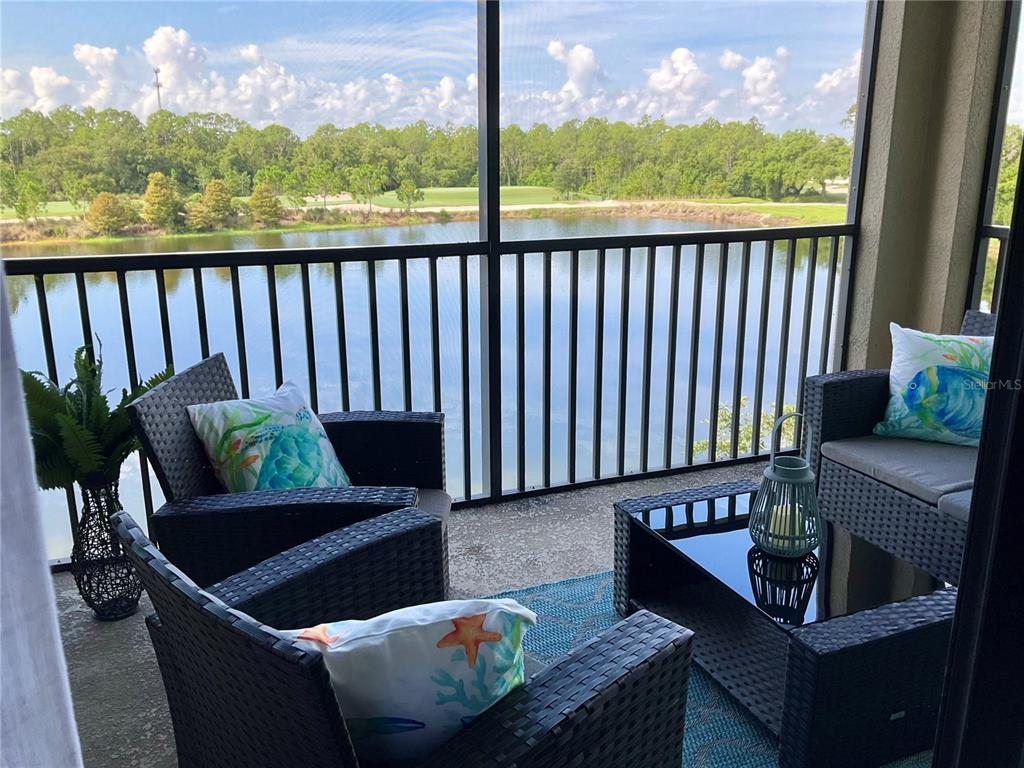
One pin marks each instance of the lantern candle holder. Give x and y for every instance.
(784, 520)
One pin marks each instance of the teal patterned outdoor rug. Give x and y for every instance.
(719, 733)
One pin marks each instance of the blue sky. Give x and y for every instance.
(301, 64)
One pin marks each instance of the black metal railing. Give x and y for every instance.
(627, 355)
(987, 282)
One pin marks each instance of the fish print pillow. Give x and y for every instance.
(409, 680)
(937, 386)
(269, 442)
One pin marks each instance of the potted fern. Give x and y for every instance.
(78, 438)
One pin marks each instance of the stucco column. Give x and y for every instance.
(933, 91)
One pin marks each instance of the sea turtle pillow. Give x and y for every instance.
(409, 680)
(267, 442)
(937, 386)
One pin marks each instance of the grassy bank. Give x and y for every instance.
(450, 197)
(523, 202)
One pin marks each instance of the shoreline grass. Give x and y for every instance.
(760, 213)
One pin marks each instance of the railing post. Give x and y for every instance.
(490, 233)
(858, 170)
(993, 151)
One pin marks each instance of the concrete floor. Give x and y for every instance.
(119, 700)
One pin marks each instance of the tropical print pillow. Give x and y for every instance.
(409, 680)
(937, 386)
(268, 442)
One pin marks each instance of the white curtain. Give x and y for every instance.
(37, 724)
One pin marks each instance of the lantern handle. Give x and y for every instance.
(776, 434)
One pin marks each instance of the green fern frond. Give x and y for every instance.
(144, 386)
(116, 456)
(117, 429)
(43, 400)
(54, 472)
(80, 445)
(99, 413)
(76, 435)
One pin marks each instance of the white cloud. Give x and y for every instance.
(254, 83)
(731, 60)
(109, 87)
(581, 68)
(762, 86)
(186, 83)
(842, 80)
(51, 89)
(674, 88)
(13, 96)
(448, 101)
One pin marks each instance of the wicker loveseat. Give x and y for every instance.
(911, 498)
(239, 695)
(394, 459)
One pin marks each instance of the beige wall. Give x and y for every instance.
(933, 94)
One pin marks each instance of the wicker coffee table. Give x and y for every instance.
(836, 688)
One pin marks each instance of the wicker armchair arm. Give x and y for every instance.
(363, 570)
(877, 624)
(896, 653)
(618, 700)
(389, 447)
(212, 537)
(843, 404)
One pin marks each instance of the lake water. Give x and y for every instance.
(106, 323)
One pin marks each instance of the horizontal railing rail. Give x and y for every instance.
(53, 265)
(707, 237)
(634, 355)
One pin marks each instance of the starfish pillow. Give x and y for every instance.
(408, 680)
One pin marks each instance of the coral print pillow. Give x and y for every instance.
(409, 680)
(269, 442)
(937, 386)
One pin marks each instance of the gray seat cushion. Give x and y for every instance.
(956, 505)
(435, 501)
(922, 469)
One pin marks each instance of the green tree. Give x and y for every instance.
(8, 185)
(829, 160)
(217, 201)
(850, 118)
(365, 183)
(264, 206)
(110, 214)
(1009, 165)
(76, 190)
(271, 175)
(408, 194)
(745, 431)
(569, 177)
(31, 196)
(323, 180)
(161, 205)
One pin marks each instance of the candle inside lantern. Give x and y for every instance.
(780, 522)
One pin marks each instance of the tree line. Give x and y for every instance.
(76, 155)
(113, 151)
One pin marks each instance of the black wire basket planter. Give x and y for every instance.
(103, 574)
(80, 438)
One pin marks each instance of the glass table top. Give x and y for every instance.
(713, 537)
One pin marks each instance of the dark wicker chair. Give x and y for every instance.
(843, 408)
(241, 696)
(394, 459)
